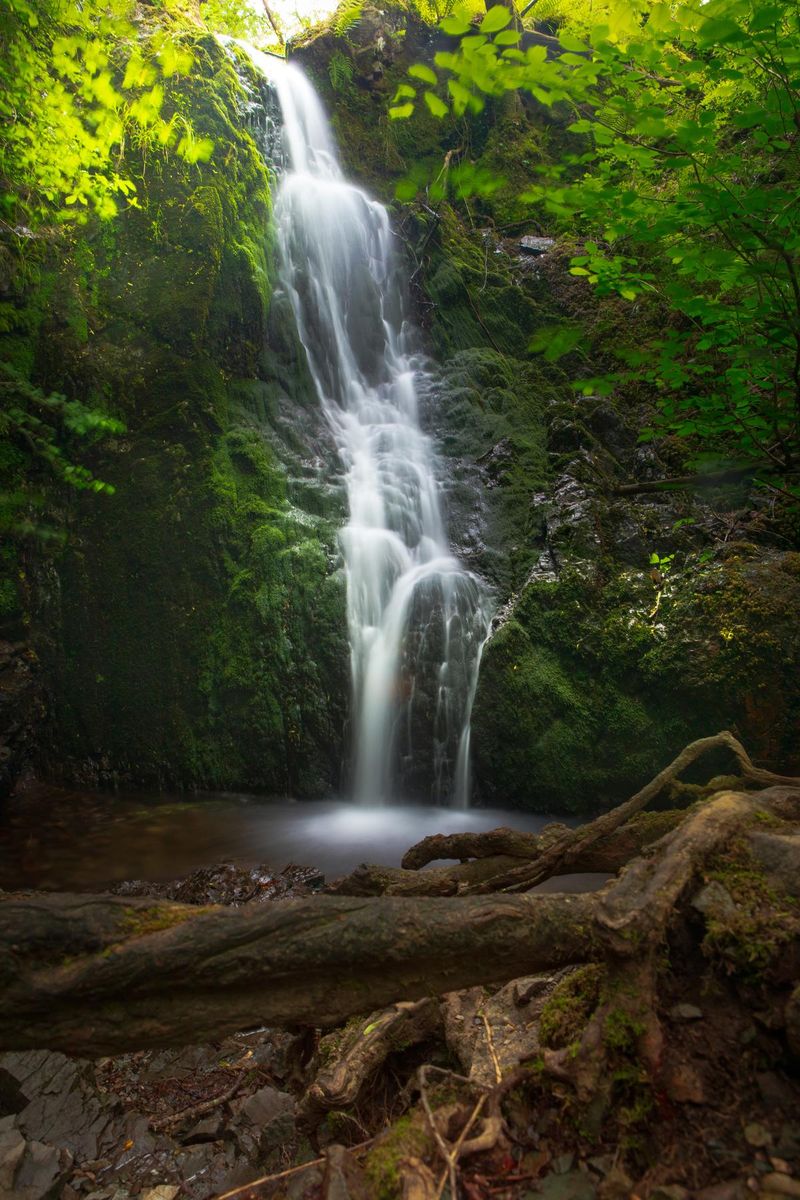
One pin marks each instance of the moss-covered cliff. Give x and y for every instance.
(189, 627)
(601, 663)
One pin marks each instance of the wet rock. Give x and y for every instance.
(714, 901)
(227, 883)
(685, 1012)
(344, 1179)
(757, 1135)
(30, 1170)
(574, 1185)
(305, 1185)
(775, 1184)
(271, 1114)
(729, 1189)
(12, 1098)
(21, 711)
(669, 1191)
(208, 1130)
(779, 855)
(164, 1191)
(65, 1108)
(536, 246)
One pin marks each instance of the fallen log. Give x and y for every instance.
(100, 974)
(97, 975)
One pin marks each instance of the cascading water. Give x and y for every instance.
(417, 618)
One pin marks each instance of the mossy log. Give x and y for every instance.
(101, 974)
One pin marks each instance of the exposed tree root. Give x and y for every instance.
(555, 993)
(100, 974)
(607, 855)
(367, 1048)
(565, 852)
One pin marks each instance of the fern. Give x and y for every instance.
(340, 70)
(348, 15)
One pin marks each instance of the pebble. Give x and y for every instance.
(776, 1184)
(669, 1191)
(757, 1135)
(685, 1012)
(780, 1165)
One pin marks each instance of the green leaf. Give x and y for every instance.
(508, 37)
(436, 106)
(401, 112)
(766, 17)
(496, 18)
(461, 96)
(420, 71)
(570, 42)
(554, 341)
(720, 31)
(456, 26)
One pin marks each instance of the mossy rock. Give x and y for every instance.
(585, 692)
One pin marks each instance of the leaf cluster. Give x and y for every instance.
(79, 79)
(48, 429)
(682, 183)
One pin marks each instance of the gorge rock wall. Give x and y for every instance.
(190, 628)
(600, 665)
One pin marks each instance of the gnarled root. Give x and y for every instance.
(367, 1047)
(558, 849)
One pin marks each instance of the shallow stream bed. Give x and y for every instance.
(70, 840)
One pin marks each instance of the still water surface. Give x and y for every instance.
(85, 841)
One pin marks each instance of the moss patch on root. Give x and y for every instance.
(409, 1137)
(570, 1006)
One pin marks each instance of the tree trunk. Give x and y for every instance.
(94, 975)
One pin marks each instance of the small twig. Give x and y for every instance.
(444, 1149)
(314, 1162)
(454, 1154)
(498, 1074)
(198, 1110)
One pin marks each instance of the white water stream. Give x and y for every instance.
(417, 618)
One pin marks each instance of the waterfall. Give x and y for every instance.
(417, 619)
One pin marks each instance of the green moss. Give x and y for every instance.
(407, 1138)
(750, 940)
(567, 1010)
(138, 922)
(606, 697)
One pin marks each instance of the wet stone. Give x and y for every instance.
(757, 1135)
(685, 1012)
(536, 245)
(574, 1185)
(30, 1170)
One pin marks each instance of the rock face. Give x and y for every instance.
(190, 626)
(148, 1125)
(626, 624)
